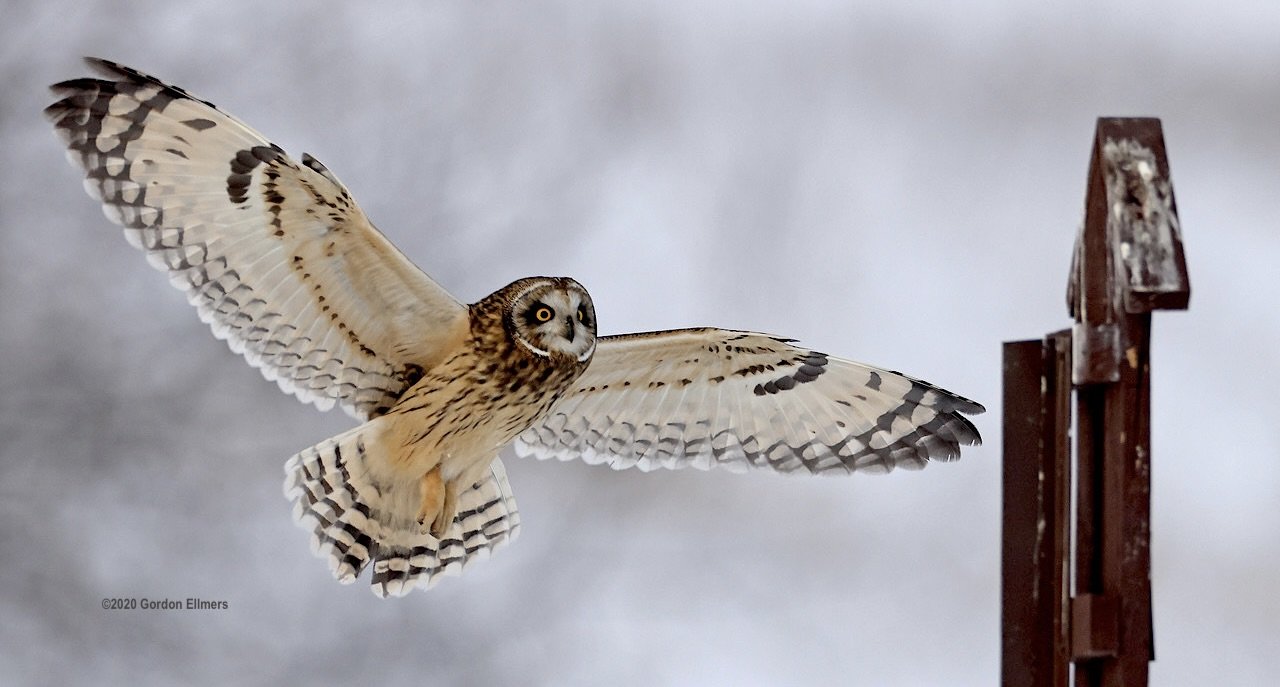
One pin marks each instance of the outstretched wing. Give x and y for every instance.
(275, 255)
(709, 397)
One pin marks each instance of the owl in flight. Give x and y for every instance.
(280, 261)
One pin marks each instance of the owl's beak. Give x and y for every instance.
(569, 335)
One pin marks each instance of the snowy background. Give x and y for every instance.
(895, 182)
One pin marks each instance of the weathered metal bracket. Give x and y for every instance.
(1095, 627)
(1095, 353)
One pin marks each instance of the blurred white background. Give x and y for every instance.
(893, 182)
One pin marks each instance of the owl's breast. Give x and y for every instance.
(471, 405)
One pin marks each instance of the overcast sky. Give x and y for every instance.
(895, 183)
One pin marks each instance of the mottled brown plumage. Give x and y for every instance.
(403, 477)
(448, 426)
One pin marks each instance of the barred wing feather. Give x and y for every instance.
(274, 254)
(711, 397)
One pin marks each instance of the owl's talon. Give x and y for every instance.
(433, 497)
(439, 503)
(447, 511)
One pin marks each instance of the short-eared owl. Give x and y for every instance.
(280, 261)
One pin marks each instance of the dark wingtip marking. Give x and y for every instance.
(238, 186)
(242, 165)
(267, 154)
(807, 374)
(243, 162)
(200, 123)
(811, 367)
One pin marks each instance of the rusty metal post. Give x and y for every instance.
(1037, 485)
(1128, 261)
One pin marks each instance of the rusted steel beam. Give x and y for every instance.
(1024, 640)
(1058, 350)
(1111, 614)
(1035, 564)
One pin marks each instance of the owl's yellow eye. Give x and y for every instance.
(543, 314)
(582, 314)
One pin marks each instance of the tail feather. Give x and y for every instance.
(487, 517)
(328, 501)
(355, 520)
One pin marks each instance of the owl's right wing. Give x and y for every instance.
(711, 397)
(275, 255)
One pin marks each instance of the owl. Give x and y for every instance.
(278, 259)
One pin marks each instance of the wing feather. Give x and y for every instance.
(275, 255)
(711, 397)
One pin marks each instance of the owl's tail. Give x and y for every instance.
(356, 516)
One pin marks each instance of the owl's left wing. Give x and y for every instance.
(711, 397)
(274, 253)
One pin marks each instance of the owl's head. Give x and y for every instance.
(552, 317)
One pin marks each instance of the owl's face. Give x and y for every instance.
(554, 317)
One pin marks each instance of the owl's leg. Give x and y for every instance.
(448, 510)
(433, 498)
